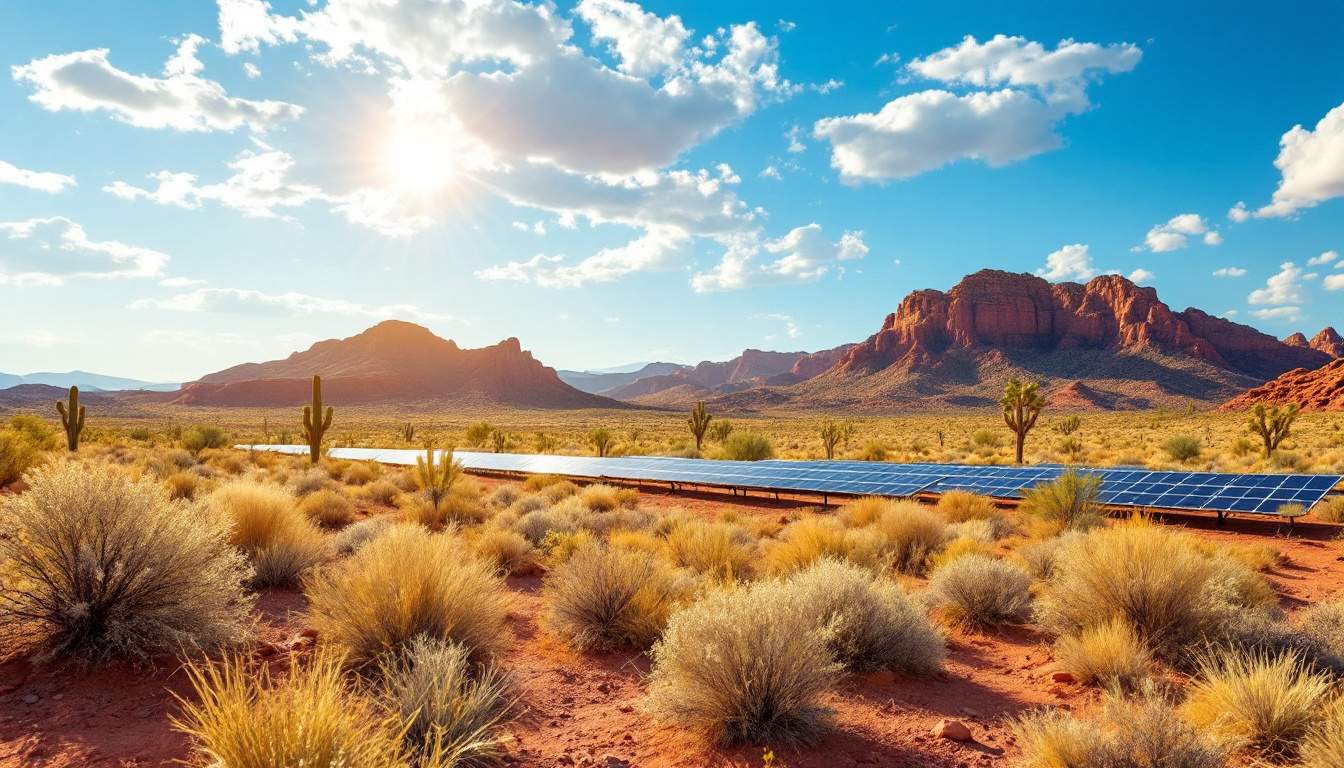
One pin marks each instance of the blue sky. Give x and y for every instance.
(185, 186)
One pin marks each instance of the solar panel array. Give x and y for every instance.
(1121, 486)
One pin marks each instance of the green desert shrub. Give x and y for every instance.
(869, 622)
(243, 717)
(18, 454)
(406, 583)
(602, 598)
(1263, 703)
(200, 438)
(747, 446)
(980, 591)
(1182, 447)
(451, 711)
(95, 565)
(1156, 580)
(742, 666)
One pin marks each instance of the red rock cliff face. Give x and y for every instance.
(1000, 310)
(1329, 342)
(1321, 389)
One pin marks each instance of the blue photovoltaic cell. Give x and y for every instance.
(1125, 486)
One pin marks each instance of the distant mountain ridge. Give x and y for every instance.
(1327, 340)
(601, 382)
(394, 361)
(92, 382)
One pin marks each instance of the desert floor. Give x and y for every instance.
(583, 709)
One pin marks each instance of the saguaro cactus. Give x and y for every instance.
(315, 422)
(1022, 404)
(72, 419)
(699, 422)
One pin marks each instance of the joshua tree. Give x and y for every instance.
(1271, 424)
(499, 440)
(545, 442)
(699, 422)
(1068, 425)
(407, 432)
(315, 422)
(1022, 404)
(833, 433)
(72, 419)
(602, 440)
(437, 480)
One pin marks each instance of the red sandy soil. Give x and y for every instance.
(583, 709)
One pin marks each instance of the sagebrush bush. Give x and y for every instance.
(718, 550)
(406, 583)
(182, 485)
(451, 712)
(311, 481)
(911, 533)
(95, 565)
(382, 492)
(959, 506)
(868, 621)
(958, 547)
(980, 591)
(1154, 579)
(351, 538)
(504, 496)
(554, 492)
(602, 598)
(453, 509)
(328, 508)
(1039, 556)
(1264, 703)
(1324, 623)
(604, 498)
(862, 511)
(1110, 654)
(537, 525)
(1070, 502)
(1182, 447)
(200, 438)
(741, 666)
(18, 454)
(267, 526)
(747, 446)
(241, 716)
(359, 473)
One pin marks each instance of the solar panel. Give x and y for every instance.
(1120, 486)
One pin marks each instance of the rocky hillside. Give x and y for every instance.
(394, 361)
(1106, 344)
(1320, 389)
(600, 382)
(752, 368)
(1327, 341)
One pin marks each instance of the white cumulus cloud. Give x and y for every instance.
(658, 249)
(1229, 272)
(181, 99)
(1284, 287)
(802, 255)
(42, 181)
(1176, 232)
(49, 251)
(1312, 166)
(1071, 262)
(291, 303)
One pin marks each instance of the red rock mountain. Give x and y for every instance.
(394, 361)
(752, 368)
(1321, 389)
(1106, 344)
(1327, 341)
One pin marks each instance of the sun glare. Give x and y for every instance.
(419, 161)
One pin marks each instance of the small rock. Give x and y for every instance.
(1063, 676)
(627, 708)
(30, 698)
(612, 761)
(952, 729)
(971, 713)
(604, 687)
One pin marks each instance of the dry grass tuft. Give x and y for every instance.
(1257, 702)
(267, 526)
(1323, 746)
(328, 508)
(242, 717)
(1068, 503)
(352, 538)
(806, 541)
(602, 598)
(738, 667)
(182, 485)
(508, 550)
(403, 584)
(451, 712)
(979, 591)
(604, 498)
(911, 534)
(719, 550)
(1110, 654)
(98, 566)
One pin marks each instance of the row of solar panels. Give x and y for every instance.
(1126, 486)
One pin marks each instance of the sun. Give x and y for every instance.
(418, 160)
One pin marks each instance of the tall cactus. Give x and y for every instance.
(315, 422)
(72, 419)
(699, 422)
